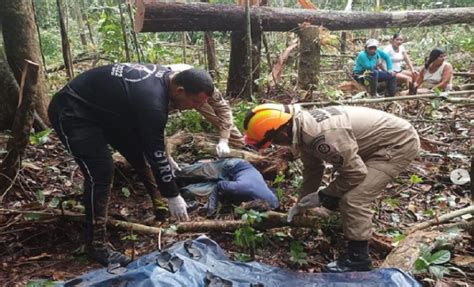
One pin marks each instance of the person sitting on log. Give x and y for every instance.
(218, 112)
(399, 56)
(230, 181)
(437, 73)
(368, 148)
(125, 106)
(367, 70)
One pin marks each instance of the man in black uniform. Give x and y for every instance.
(126, 106)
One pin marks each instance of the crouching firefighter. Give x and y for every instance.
(368, 148)
(125, 106)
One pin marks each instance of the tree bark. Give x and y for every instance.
(237, 80)
(124, 31)
(211, 55)
(80, 23)
(154, 16)
(8, 95)
(408, 251)
(65, 42)
(134, 35)
(21, 127)
(21, 42)
(309, 59)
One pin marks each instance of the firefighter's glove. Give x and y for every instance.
(309, 201)
(177, 207)
(222, 148)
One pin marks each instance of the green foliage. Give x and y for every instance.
(111, 40)
(246, 236)
(396, 235)
(297, 254)
(432, 263)
(297, 181)
(190, 121)
(130, 237)
(414, 179)
(277, 182)
(40, 197)
(40, 138)
(126, 192)
(42, 283)
(54, 202)
(243, 257)
(392, 202)
(239, 112)
(430, 212)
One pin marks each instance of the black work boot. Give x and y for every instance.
(97, 248)
(357, 258)
(105, 254)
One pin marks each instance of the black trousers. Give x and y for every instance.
(87, 140)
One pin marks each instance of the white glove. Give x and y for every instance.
(177, 207)
(308, 201)
(222, 148)
(174, 165)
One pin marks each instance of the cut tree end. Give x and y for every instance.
(139, 15)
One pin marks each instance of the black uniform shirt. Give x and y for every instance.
(132, 96)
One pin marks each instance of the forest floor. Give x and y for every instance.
(33, 248)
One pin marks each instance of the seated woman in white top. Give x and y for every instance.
(437, 73)
(399, 56)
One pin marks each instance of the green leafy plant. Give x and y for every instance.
(392, 202)
(126, 192)
(247, 236)
(297, 254)
(414, 179)
(40, 197)
(40, 138)
(433, 263)
(277, 182)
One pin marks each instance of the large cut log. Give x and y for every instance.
(155, 16)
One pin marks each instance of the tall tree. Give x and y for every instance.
(21, 43)
(65, 41)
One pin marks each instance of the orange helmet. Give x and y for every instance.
(262, 123)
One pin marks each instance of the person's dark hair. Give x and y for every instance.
(195, 81)
(435, 53)
(395, 36)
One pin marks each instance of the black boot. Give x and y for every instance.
(105, 254)
(357, 258)
(97, 248)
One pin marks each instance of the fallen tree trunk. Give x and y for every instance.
(155, 16)
(408, 251)
(269, 165)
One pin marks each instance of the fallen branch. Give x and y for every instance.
(442, 219)
(400, 98)
(95, 57)
(273, 220)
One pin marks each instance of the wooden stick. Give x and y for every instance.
(390, 99)
(273, 220)
(443, 218)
